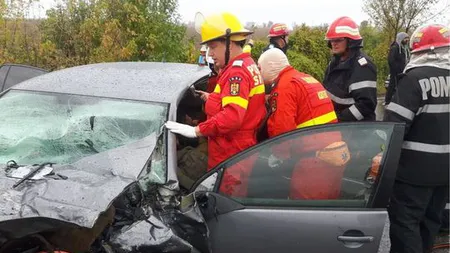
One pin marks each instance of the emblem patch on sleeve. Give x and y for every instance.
(273, 106)
(322, 94)
(273, 102)
(362, 61)
(235, 85)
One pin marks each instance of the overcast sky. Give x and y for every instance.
(311, 12)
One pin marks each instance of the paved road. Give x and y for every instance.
(379, 112)
(385, 243)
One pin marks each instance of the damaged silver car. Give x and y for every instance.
(89, 167)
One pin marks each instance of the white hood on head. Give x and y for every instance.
(439, 58)
(272, 62)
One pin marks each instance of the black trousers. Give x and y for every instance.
(415, 214)
(445, 224)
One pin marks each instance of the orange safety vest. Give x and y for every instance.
(298, 100)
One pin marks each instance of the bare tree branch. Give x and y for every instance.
(446, 8)
(397, 15)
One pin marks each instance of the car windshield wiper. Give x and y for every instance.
(32, 173)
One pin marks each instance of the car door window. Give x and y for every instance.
(3, 71)
(336, 165)
(19, 74)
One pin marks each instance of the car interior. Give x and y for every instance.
(192, 154)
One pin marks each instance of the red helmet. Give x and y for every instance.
(343, 27)
(277, 30)
(430, 36)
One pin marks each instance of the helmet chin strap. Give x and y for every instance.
(285, 47)
(227, 44)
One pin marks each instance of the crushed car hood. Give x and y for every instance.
(92, 184)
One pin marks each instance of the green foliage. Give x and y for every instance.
(77, 32)
(309, 52)
(376, 46)
(258, 48)
(305, 64)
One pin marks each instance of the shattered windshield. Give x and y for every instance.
(42, 127)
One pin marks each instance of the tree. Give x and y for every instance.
(19, 37)
(89, 31)
(308, 51)
(394, 16)
(376, 46)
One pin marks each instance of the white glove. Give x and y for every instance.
(182, 129)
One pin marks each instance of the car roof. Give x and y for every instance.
(25, 66)
(147, 81)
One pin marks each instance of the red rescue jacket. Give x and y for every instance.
(234, 110)
(299, 100)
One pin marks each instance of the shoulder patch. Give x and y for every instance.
(309, 79)
(235, 83)
(322, 95)
(238, 63)
(362, 61)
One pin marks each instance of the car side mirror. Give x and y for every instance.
(208, 184)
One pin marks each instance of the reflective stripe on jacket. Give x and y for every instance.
(234, 109)
(298, 100)
(422, 101)
(352, 85)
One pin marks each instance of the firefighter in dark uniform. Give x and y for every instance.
(421, 189)
(278, 37)
(351, 76)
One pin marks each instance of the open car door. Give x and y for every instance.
(283, 197)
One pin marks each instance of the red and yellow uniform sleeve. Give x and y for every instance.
(234, 95)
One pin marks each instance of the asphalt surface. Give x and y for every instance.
(385, 243)
(379, 112)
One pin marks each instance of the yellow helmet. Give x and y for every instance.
(216, 26)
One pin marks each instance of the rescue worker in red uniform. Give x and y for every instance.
(298, 100)
(235, 108)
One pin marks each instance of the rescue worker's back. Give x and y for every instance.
(298, 100)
